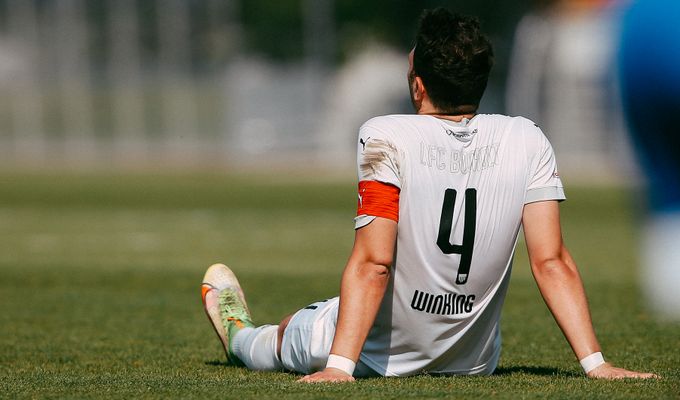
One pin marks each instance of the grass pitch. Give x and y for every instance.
(100, 274)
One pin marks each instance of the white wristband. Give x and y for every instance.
(342, 363)
(592, 361)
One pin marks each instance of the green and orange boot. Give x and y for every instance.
(225, 305)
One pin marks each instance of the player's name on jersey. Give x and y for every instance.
(458, 161)
(442, 304)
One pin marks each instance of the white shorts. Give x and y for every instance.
(308, 338)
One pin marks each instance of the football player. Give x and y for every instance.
(442, 196)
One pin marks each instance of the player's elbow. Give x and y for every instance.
(557, 267)
(380, 262)
(377, 262)
(378, 269)
(552, 262)
(373, 271)
(370, 265)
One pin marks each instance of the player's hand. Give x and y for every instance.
(608, 371)
(327, 375)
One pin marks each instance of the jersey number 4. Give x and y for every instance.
(446, 224)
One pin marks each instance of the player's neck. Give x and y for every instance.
(458, 115)
(455, 118)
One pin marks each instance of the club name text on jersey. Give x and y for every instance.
(457, 161)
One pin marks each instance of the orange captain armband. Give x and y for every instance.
(379, 200)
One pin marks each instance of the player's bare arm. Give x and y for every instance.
(363, 285)
(560, 285)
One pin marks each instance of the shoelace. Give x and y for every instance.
(232, 309)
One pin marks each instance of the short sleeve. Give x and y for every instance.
(544, 180)
(378, 159)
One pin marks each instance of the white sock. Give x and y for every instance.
(256, 347)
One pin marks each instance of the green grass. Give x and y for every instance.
(99, 278)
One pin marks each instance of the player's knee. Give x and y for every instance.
(283, 324)
(282, 328)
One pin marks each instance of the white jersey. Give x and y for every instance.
(462, 190)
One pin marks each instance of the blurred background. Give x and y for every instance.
(262, 84)
(143, 140)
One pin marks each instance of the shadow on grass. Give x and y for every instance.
(533, 370)
(218, 363)
(500, 371)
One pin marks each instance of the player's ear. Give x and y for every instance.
(418, 90)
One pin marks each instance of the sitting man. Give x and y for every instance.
(442, 195)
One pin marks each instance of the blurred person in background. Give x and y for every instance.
(649, 70)
(560, 76)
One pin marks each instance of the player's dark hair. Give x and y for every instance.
(453, 58)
